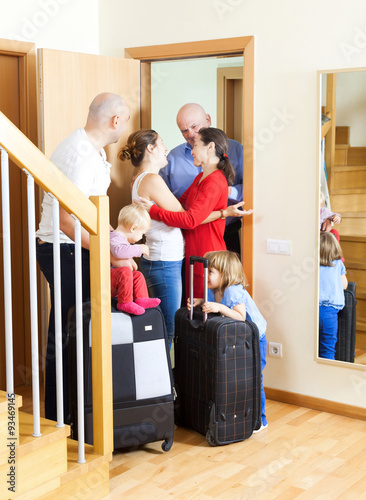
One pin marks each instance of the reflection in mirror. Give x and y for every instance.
(343, 190)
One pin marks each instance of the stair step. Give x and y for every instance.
(342, 134)
(349, 191)
(353, 238)
(357, 156)
(4, 402)
(356, 264)
(351, 225)
(361, 325)
(82, 481)
(359, 277)
(349, 177)
(39, 460)
(348, 200)
(9, 424)
(352, 250)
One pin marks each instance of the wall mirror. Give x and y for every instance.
(342, 179)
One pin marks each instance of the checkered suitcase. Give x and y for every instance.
(345, 347)
(143, 402)
(217, 374)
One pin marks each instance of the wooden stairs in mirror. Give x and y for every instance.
(348, 197)
(46, 467)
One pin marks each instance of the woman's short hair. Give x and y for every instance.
(134, 215)
(136, 146)
(221, 141)
(229, 266)
(330, 249)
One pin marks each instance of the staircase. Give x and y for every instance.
(348, 197)
(45, 467)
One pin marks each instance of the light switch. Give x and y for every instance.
(282, 247)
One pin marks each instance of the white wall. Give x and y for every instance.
(293, 40)
(53, 24)
(351, 105)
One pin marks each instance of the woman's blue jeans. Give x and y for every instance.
(328, 329)
(164, 280)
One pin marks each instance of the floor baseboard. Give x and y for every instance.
(315, 403)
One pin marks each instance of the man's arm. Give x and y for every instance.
(67, 226)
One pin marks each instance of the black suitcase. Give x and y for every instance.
(345, 347)
(143, 401)
(217, 374)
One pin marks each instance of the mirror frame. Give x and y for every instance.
(332, 362)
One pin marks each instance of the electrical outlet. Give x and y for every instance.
(275, 349)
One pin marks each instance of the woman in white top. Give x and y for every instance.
(163, 268)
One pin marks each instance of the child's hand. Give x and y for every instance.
(327, 225)
(145, 249)
(211, 307)
(336, 219)
(196, 302)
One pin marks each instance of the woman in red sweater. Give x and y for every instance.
(208, 193)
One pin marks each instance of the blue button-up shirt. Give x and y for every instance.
(181, 172)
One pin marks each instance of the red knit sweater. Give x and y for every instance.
(199, 200)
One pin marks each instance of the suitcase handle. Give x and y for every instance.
(202, 260)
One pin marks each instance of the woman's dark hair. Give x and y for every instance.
(136, 146)
(219, 138)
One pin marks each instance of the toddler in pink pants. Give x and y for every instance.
(127, 284)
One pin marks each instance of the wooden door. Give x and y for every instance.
(230, 101)
(18, 103)
(69, 83)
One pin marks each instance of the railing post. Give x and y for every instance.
(100, 289)
(33, 304)
(8, 307)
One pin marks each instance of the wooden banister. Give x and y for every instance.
(94, 216)
(100, 289)
(26, 155)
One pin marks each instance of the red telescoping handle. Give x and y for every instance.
(202, 260)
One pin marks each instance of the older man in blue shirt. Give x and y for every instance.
(181, 172)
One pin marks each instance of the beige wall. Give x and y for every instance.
(53, 24)
(293, 40)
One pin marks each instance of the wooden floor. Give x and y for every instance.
(303, 454)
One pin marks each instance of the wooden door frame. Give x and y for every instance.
(226, 77)
(226, 46)
(28, 120)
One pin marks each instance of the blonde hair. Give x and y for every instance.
(134, 215)
(229, 266)
(330, 249)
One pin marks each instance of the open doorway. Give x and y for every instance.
(242, 46)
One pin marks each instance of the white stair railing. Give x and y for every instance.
(57, 310)
(7, 272)
(33, 304)
(93, 214)
(79, 341)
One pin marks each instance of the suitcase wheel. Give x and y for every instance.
(210, 439)
(167, 444)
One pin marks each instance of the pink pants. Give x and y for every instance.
(127, 285)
